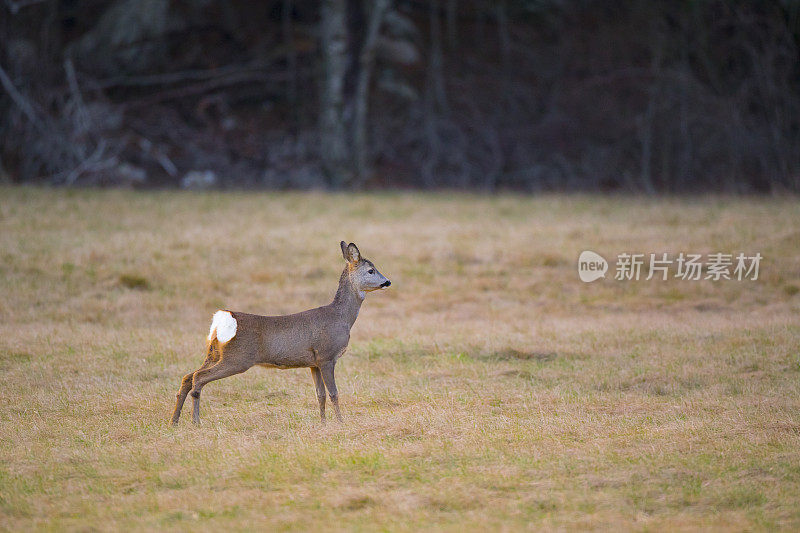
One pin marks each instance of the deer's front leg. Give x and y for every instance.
(319, 385)
(330, 382)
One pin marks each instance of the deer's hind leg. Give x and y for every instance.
(204, 376)
(212, 356)
(186, 385)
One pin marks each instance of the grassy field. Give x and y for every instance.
(487, 389)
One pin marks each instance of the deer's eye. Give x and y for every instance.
(370, 271)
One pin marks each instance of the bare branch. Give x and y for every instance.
(15, 7)
(207, 86)
(253, 70)
(20, 100)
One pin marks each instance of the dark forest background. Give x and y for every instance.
(525, 95)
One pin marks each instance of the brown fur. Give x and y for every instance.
(311, 339)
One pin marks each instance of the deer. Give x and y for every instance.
(313, 339)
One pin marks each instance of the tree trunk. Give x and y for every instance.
(291, 63)
(436, 65)
(452, 31)
(648, 126)
(366, 62)
(504, 37)
(333, 41)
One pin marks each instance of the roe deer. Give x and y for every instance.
(312, 339)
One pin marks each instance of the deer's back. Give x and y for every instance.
(289, 341)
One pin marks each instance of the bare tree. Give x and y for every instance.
(366, 62)
(291, 61)
(333, 43)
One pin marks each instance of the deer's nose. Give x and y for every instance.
(386, 283)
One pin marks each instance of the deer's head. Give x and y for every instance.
(362, 272)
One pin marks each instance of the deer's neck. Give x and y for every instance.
(348, 299)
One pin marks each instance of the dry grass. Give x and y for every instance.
(488, 389)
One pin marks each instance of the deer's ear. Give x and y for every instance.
(351, 253)
(344, 249)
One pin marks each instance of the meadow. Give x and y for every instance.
(487, 389)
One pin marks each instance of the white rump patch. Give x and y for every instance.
(223, 325)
